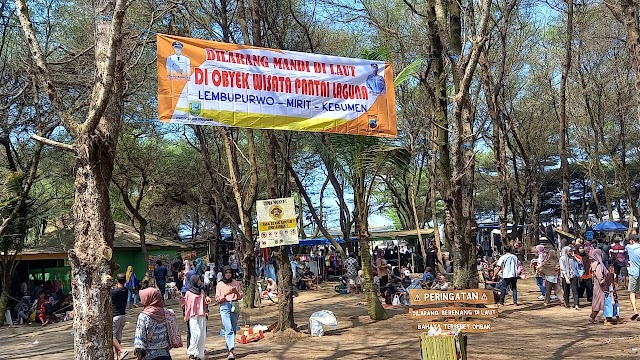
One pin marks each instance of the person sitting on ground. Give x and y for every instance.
(392, 290)
(37, 304)
(46, 312)
(308, 277)
(442, 283)
(395, 274)
(490, 281)
(67, 307)
(271, 291)
(359, 282)
(427, 278)
(406, 279)
(23, 310)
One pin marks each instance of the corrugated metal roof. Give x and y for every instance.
(58, 240)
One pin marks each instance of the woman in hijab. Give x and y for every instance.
(586, 283)
(195, 304)
(601, 283)
(131, 285)
(549, 269)
(228, 293)
(569, 275)
(152, 335)
(534, 264)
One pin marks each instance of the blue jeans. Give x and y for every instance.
(131, 298)
(162, 287)
(230, 323)
(540, 283)
(513, 284)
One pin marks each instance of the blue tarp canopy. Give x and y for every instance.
(319, 241)
(610, 226)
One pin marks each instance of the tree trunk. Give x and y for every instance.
(630, 17)
(594, 193)
(285, 290)
(285, 273)
(245, 198)
(249, 282)
(535, 196)
(562, 118)
(374, 307)
(7, 274)
(91, 257)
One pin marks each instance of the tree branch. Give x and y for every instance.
(56, 144)
(41, 65)
(103, 85)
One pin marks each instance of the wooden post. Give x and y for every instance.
(413, 263)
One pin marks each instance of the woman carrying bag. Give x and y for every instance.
(156, 330)
(228, 293)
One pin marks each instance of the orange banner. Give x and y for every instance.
(212, 83)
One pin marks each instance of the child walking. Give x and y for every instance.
(611, 305)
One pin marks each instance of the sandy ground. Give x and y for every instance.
(530, 331)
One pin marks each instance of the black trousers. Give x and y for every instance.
(573, 288)
(383, 284)
(586, 285)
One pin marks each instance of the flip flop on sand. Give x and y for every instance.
(634, 316)
(124, 355)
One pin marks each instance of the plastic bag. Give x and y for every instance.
(396, 300)
(319, 319)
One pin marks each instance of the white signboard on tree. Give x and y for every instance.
(277, 222)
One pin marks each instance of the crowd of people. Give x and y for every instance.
(47, 303)
(592, 271)
(156, 328)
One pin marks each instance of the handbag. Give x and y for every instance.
(580, 269)
(173, 331)
(522, 273)
(175, 339)
(235, 307)
(396, 300)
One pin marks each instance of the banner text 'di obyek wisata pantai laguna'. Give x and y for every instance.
(213, 83)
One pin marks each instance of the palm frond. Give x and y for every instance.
(379, 54)
(408, 72)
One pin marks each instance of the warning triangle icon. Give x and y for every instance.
(417, 298)
(484, 296)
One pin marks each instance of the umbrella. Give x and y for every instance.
(610, 226)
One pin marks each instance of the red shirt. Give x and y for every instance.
(619, 252)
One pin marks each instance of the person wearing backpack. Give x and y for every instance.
(155, 329)
(570, 275)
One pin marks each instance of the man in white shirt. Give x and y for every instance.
(508, 263)
(178, 65)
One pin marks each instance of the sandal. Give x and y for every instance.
(592, 321)
(634, 316)
(607, 323)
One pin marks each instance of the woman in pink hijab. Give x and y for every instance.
(152, 332)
